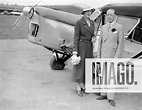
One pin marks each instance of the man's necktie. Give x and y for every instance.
(109, 26)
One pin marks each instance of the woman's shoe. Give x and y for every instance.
(79, 92)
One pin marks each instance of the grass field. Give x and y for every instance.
(6, 32)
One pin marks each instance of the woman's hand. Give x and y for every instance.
(75, 60)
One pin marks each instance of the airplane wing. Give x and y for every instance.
(66, 8)
(75, 9)
(126, 9)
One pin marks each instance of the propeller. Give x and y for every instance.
(27, 13)
(34, 6)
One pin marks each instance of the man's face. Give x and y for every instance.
(110, 16)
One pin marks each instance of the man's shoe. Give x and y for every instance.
(112, 102)
(97, 93)
(102, 98)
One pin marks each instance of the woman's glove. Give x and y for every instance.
(74, 59)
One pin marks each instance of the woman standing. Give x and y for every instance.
(83, 33)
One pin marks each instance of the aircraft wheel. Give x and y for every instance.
(56, 65)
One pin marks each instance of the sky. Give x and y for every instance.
(95, 3)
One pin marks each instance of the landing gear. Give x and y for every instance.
(57, 64)
(60, 57)
(58, 61)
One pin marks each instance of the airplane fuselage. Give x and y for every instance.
(54, 27)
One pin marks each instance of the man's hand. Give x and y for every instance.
(93, 39)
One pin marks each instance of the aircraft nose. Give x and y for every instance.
(26, 11)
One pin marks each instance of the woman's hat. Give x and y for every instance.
(88, 9)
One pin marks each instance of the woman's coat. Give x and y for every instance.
(83, 46)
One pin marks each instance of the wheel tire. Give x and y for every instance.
(56, 65)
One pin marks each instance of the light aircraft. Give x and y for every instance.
(53, 29)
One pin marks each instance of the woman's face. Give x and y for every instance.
(87, 13)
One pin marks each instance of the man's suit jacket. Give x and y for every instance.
(111, 42)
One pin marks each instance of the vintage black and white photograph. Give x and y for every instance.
(70, 55)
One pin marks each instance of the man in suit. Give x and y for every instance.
(111, 44)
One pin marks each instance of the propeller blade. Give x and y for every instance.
(34, 6)
(20, 20)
